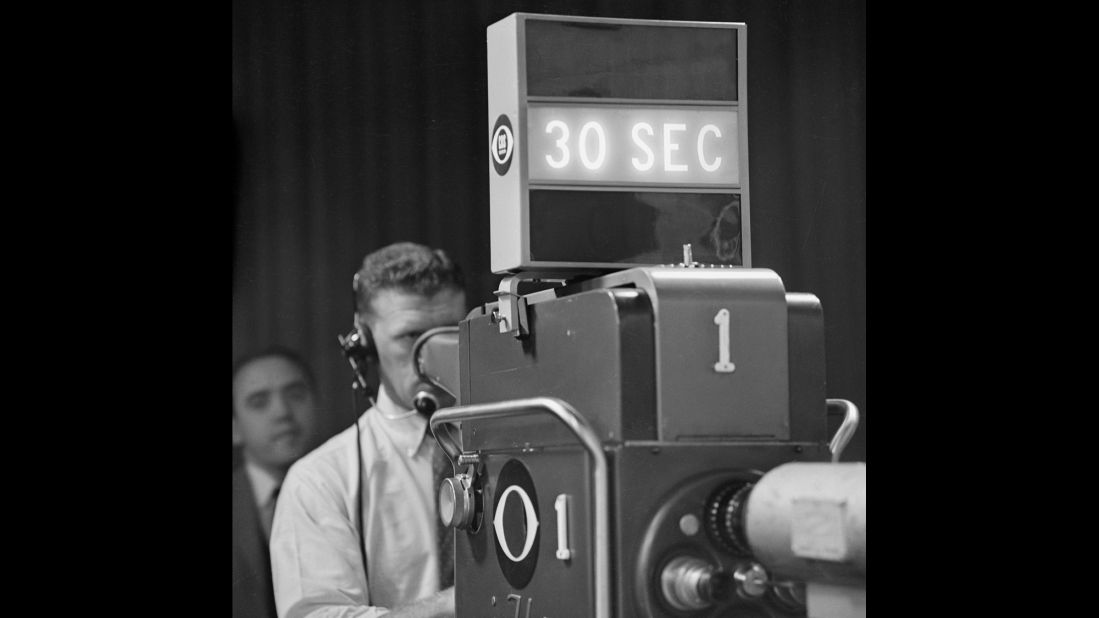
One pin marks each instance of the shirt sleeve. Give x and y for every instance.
(316, 565)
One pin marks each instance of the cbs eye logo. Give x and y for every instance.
(515, 523)
(502, 145)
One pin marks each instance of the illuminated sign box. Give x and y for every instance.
(632, 145)
(614, 142)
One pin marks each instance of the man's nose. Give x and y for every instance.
(280, 407)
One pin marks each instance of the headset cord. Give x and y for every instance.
(359, 497)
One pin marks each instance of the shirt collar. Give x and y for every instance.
(263, 482)
(407, 428)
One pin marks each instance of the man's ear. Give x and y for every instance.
(238, 439)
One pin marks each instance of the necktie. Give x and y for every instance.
(444, 535)
(267, 515)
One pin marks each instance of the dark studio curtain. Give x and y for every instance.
(357, 124)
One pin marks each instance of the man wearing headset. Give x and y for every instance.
(321, 536)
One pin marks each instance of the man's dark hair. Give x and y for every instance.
(277, 351)
(407, 267)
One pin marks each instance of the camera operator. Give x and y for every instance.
(356, 530)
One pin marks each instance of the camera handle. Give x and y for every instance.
(847, 429)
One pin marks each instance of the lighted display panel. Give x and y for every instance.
(614, 142)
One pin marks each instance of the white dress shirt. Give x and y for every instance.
(315, 559)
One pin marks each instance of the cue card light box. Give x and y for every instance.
(614, 142)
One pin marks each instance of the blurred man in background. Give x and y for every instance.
(274, 416)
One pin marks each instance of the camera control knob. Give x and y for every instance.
(456, 506)
(690, 583)
(752, 579)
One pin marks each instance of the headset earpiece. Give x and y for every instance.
(366, 339)
(358, 348)
(369, 349)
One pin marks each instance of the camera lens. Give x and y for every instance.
(725, 517)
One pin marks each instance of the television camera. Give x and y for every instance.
(643, 430)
